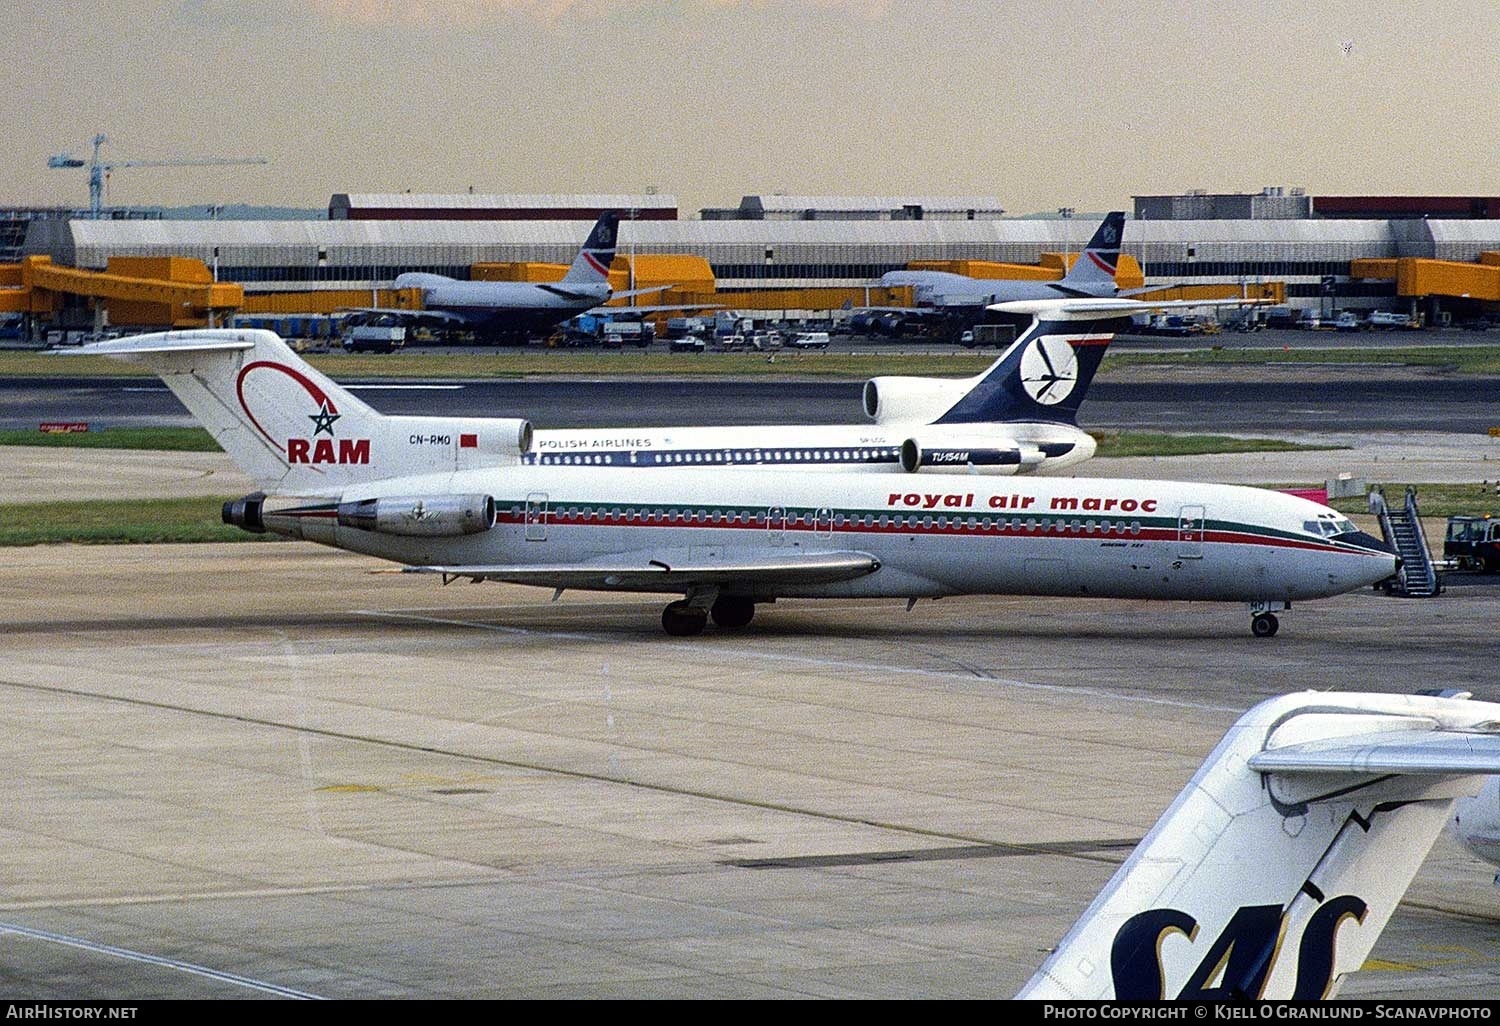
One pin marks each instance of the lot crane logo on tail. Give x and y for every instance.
(1049, 369)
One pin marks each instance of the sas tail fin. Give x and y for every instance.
(598, 251)
(1274, 872)
(295, 431)
(1095, 267)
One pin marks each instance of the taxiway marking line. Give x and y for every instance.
(157, 960)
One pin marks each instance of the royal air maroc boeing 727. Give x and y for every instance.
(451, 496)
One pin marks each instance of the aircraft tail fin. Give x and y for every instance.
(597, 252)
(1275, 870)
(1042, 376)
(1095, 266)
(292, 429)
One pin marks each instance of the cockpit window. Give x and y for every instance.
(1329, 526)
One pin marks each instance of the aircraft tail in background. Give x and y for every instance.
(591, 265)
(1042, 376)
(1093, 273)
(1275, 870)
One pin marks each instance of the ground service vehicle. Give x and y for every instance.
(375, 338)
(1386, 319)
(1473, 543)
(998, 335)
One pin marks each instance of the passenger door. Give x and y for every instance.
(1190, 523)
(536, 516)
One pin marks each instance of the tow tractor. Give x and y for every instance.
(1473, 543)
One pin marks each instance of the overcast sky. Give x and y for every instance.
(1041, 105)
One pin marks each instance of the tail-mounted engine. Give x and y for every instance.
(414, 516)
(893, 400)
(423, 516)
(937, 455)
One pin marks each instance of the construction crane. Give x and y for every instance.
(99, 169)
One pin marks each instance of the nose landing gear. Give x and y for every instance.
(1263, 622)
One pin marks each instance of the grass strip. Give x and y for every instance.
(1475, 360)
(1433, 500)
(156, 439)
(1150, 443)
(540, 361)
(114, 521)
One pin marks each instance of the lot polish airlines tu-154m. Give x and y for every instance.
(519, 309)
(451, 496)
(1017, 416)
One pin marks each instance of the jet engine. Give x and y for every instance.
(997, 451)
(246, 513)
(939, 454)
(912, 400)
(424, 516)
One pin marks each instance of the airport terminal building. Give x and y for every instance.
(838, 243)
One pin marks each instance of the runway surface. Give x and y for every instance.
(262, 769)
(1258, 400)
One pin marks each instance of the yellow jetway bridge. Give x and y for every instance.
(179, 292)
(1419, 277)
(151, 291)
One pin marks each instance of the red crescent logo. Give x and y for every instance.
(318, 395)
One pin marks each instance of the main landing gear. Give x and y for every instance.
(682, 620)
(1263, 622)
(687, 617)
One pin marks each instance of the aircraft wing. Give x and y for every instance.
(912, 311)
(641, 292)
(663, 308)
(1103, 309)
(406, 315)
(676, 571)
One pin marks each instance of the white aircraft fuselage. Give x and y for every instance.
(511, 305)
(1000, 449)
(932, 536)
(944, 289)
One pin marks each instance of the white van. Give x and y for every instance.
(809, 340)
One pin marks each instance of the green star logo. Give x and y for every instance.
(323, 420)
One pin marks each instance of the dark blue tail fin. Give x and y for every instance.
(1095, 266)
(1043, 376)
(598, 252)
